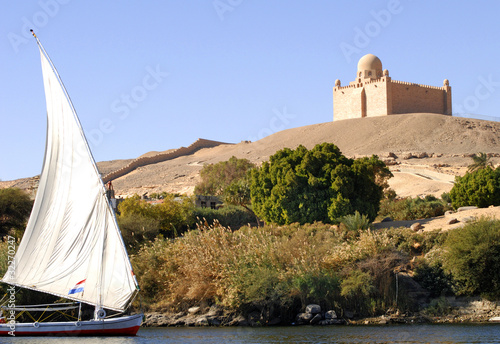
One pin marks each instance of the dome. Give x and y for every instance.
(369, 62)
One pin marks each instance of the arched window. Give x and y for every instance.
(360, 73)
(369, 73)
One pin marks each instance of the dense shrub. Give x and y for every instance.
(473, 258)
(228, 216)
(320, 184)
(140, 221)
(15, 207)
(480, 188)
(357, 288)
(445, 196)
(434, 279)
(215, 178)
(413, 243)
(438, 307)
(413, 208)
(137, 229)
(322, 287)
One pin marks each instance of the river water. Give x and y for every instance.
(442, 333)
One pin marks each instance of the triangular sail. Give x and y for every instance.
(72, 246)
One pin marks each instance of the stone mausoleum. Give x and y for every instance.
(374, 93)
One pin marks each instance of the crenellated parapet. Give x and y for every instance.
(417, 85)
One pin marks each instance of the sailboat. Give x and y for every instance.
(72, 247)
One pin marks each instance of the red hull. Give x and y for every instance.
(123, 326)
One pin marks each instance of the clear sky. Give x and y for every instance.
(155, 75)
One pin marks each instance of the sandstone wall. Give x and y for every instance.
(377, 103)
(347, 102)
(414, 98)
(143, 161)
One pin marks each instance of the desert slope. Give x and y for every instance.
(447, 141)
(443, 144)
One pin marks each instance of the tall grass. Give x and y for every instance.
(273, 269)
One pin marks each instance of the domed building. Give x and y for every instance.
(374, 93)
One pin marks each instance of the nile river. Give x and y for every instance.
(470, 333)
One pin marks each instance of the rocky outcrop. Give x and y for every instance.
(314, 316)
(461, 309)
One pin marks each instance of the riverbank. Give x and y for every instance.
(458, 310)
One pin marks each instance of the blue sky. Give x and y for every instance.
(155, 75)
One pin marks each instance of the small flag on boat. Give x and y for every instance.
(78, 288)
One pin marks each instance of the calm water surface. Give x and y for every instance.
(487, 333)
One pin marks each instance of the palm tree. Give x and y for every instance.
(480, 161)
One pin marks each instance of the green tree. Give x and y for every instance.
(320, 184)
(15, 208)
(480, 188)
(473, 258)
(215, 178)
(228, 179)
(480, 161)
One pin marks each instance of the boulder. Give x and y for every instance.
(303, 318)
(238, 321)
(316, 319)
(213, 321)
(416, 226)
(201, 321)
(313, 309)
(331, 315)
(469, 219)
(193, 310)
(214, 311)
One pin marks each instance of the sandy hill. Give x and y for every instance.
(425, 152)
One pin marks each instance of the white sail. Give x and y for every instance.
(72, 246)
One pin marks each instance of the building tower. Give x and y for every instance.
(374, 93)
